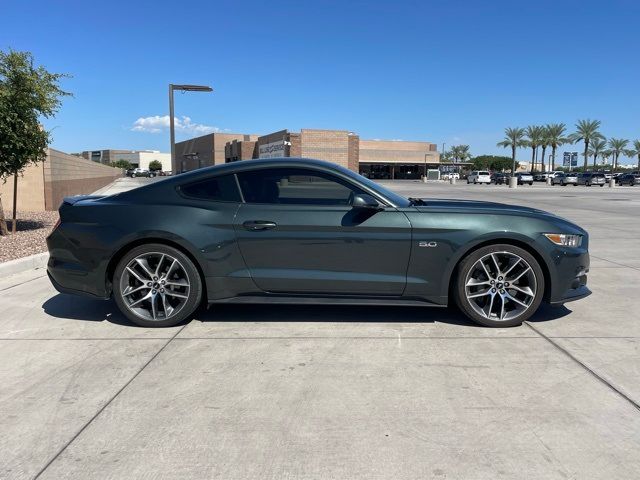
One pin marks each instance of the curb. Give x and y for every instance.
(19, 265)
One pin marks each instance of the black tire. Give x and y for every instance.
(195, 290)
(530, 184)
(467, 264)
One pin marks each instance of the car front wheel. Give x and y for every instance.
(156, 285)
(499, 286)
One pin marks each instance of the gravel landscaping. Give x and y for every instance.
(29, 239)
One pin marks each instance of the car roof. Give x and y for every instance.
(243, 165)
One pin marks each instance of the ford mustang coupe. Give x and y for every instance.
(300, 230)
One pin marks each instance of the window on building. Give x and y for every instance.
(217, 189)
(295, 186)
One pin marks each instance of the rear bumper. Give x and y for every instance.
(75, 271)
(73, 282)
(72, 291)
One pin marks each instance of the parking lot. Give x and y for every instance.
(318, 392)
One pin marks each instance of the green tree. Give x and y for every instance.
(598, 146)
(460, 153)
(635, 152)
(155, 165)
(513, 139)
(481, 162)
(586, 131)
(492, 162)
(124, 164)
(27, 93)
(554, 133)
(617, 146)
(446, 157)
(535, 135)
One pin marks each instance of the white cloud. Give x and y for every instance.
(158, 124)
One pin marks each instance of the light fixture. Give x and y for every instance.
(565, 239)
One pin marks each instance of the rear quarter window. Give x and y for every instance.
(216, 189)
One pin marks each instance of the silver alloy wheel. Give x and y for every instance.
(500, 286)
(154, 286)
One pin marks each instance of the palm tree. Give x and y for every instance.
(605, 154)
(617, 146)
(535, 134)
(513, 138)
(544, 143)
(460, 153)
(597, 147)
(635, 152)
(555, 136)
(586, 131)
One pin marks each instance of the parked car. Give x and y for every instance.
(139, 172)
(300, 230)
(630, 179)
(500, 178)
(591, 178)
(524, 177)
(562, 178)
(540, 177)
(479, 176)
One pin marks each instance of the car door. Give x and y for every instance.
(298, 233)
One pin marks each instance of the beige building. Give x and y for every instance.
(396, 158)
(205, 151)
(106, 157)
(372, 158)
(137, 158)
(44, 185)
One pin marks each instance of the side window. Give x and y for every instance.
(216, 189)
(295, 186)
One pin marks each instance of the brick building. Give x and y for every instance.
(372, 158)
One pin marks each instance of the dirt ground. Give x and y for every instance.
(32, 230)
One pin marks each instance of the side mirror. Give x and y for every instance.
(365, 201)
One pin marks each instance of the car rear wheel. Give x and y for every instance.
(499, 286)
(157, 285)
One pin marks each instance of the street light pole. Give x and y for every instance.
(172, 133)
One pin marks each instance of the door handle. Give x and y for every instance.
(255, 225)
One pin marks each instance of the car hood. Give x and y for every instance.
(493, 208)
(466, 206)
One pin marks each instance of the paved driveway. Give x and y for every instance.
(326, 392)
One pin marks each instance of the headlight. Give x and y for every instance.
(564, 239)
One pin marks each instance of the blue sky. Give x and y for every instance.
(441, 71)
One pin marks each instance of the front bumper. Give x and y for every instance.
(569, 278)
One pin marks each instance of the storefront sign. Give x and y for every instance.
(271, 150)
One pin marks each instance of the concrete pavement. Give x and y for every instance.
(325, 392)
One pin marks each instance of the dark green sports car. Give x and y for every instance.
(299, 230)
